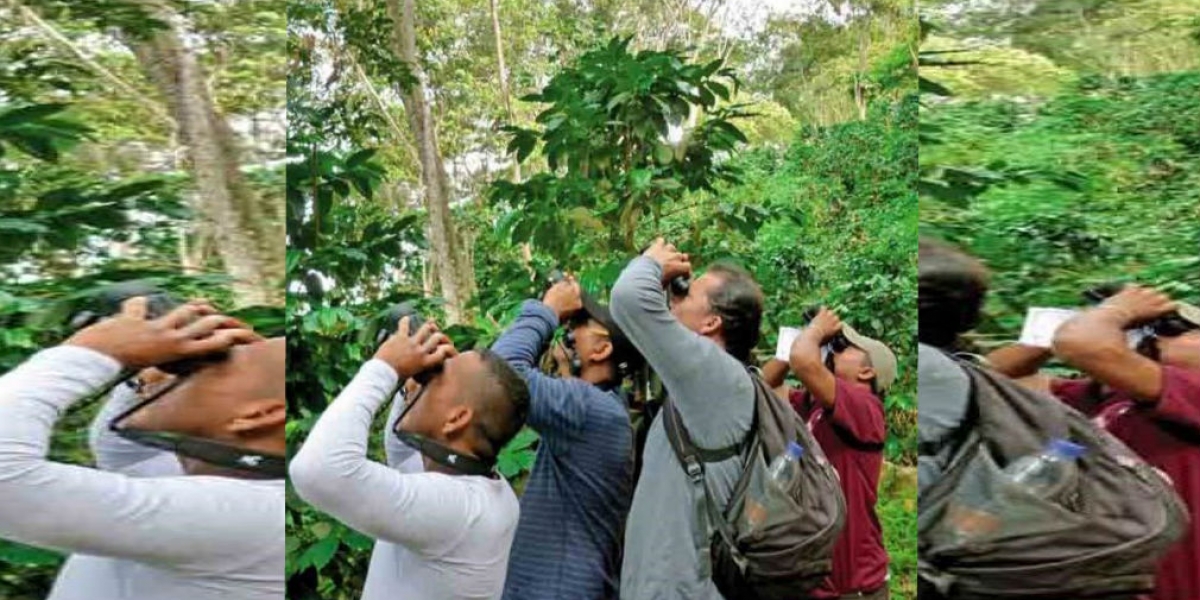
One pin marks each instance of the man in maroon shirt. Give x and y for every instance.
(1151, 404)
(842, 404)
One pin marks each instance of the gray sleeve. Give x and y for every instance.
(711, 388)
(944, 395)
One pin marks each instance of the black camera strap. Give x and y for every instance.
(261, 464)
(464, 464)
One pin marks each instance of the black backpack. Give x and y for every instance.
(767, 544)
(1101, 537)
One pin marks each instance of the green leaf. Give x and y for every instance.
(25, 114)
(319, 554)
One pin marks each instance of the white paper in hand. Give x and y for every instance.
(1041, 323)
(783, 349)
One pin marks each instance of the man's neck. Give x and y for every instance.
(596, 374)
(459, 447)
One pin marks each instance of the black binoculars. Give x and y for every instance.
(1169, 325)
(107, 302)
(389, 320)
(680, 285)
(838, 343)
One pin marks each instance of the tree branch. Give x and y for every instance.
(33, 19)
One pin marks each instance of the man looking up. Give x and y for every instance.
(842, 404)
(568, 541)
(441, 534)
(208, 533)
(1148, 397)
(699, 346)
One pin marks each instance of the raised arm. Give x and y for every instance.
(332, 472)
(774, 372)
(1095, 342)
(694, 369)
(170, 521)
(556, 405)
(805, 357)
(1018, 360)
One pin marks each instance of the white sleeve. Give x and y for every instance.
(114, 453)
(425, 512)
(194, 521)
(400, 456)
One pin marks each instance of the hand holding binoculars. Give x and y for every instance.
(1169, 325)
(388, 323)
(109, 301)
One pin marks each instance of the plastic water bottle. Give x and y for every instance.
(1044, 475)
(762, 503)
(783, 469)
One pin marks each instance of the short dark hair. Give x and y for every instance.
(951, 289)
(738, 300)
(502, 404)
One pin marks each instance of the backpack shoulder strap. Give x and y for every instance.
(681, 441)
(708, 516)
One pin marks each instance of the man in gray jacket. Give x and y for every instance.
(699, 346)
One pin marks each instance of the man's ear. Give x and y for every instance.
(603, 350)
(710, 325)
(257, 417)
(457, 420)
(866, 374)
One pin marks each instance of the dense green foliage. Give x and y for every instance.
(1097, 184)
(829, 218)
(89, 191)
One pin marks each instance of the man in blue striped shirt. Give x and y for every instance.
(568, 540)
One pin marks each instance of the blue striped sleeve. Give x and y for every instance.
(557, 405)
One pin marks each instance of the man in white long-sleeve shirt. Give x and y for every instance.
(441, 534)
(206, 533)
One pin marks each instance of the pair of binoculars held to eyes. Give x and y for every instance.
(679, 285)
(388, 322)
(836, 344)
(1169, 325)
(107, 302)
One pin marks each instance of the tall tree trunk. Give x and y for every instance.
(860, 76)
(502, 71)
(247, 229)
(456, 281)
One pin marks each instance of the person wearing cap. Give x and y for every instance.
(842, 404)
(567, 545)
(1150, 400)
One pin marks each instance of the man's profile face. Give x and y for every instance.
(852, 364)
(212, 402)
(442, 396)
(1181, 351)
(694, 310)
(591, 338)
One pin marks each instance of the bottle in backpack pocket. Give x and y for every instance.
(780, 474)
(783, 469)
(1044, 475)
